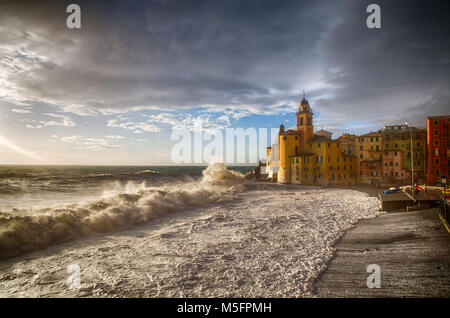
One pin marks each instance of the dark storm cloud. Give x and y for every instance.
(167, 53)
(255, 55)
(396, 73)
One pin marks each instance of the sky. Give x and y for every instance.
(113, 91)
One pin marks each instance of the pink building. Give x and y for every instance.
(392, 168)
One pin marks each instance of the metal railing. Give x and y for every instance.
(445, 208)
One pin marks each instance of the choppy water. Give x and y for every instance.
(24, 186)
(195, 233)
(41, 206)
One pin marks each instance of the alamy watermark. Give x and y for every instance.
(73, 21)
(230, 145)
(374, 279)
(374, 19)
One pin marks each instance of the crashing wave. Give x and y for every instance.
(28, 230)
(217, 173)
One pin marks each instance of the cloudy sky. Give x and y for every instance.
(112, 91)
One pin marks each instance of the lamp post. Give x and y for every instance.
(412, 161)
(444, 182)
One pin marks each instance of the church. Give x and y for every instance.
(302, 156)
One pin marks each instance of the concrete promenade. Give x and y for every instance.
(412, 249)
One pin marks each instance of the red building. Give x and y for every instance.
(438, 142)
(371, 171)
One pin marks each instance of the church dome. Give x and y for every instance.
(304, 105)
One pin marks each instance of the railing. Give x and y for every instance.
(445, 209)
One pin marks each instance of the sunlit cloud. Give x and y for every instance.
(95, 144)
(21, 111)
(137, 128)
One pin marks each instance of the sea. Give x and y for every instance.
(166, 231)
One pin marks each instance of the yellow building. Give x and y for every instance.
(368, 150)
(305, 157)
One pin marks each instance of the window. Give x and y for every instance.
(360, 147)
(284, 138)
(435, 122)
(395, 153)
(436, 151)
(436, 142)
(309, 121)
(301, 121)
(360, 156)
(436, 132)
(376, 139)
(371, 139)
(437, 174)
(396, 145)
(396, 164)
(436, 161)
(318, 145)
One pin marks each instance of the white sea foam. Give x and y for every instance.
(272, 241)
(233, 239)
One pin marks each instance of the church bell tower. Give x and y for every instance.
(304, 120)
